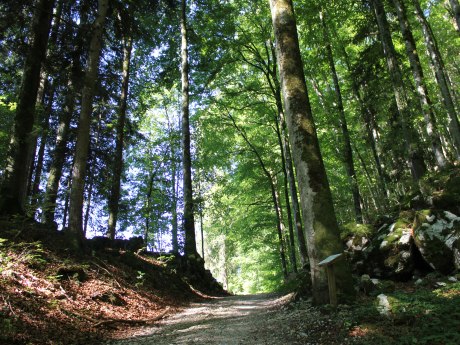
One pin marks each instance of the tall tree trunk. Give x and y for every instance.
(315, 196)
(68, 184)
(13, 190)
(272, 79)
(441, 76)
(346, 150)
(65, 116)
(422, 91)
(83, 135)
(456, 13)
(291, 241)
(114, 198)
(189, 221)
(174, 183)
(411, 156)
(41, 148)
(279, 223)
(91, 163)
(148, 208)
(175, 223)
(46, 88)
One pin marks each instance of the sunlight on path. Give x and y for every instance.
(229, 320)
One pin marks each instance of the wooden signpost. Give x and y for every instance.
(329, 263)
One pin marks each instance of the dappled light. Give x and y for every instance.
(229, 172)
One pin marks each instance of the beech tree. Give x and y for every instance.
(315, 197)
(189, 219)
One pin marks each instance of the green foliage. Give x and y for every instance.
(417, 317)
(140, 278)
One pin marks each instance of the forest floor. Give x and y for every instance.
(51, 295)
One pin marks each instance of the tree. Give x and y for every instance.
(14, 185)
(422, 90)
(114, 197)
(315, 197)
(441, 77)
(83, 135)
(413, 159)
(346, 151)
(189, 220)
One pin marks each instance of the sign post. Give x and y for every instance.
(329, 263)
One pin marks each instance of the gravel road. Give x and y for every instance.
(229, 320)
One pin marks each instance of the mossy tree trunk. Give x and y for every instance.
(320, 223)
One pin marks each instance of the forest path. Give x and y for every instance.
(251, 319)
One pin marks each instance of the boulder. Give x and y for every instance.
(390, 254)
(437, 236)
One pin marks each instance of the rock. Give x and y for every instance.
(383, 305)
(390, 254)
(436, 235)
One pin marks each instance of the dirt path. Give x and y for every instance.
(248, 320)
(229, 320)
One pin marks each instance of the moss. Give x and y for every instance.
(349, 229)
(406, 216)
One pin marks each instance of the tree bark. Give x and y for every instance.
(114, 198)
(13, 190)
(346, 150)
(83, 135)
(315, 196)
(189, 220)
(441, 76)
(422, 91)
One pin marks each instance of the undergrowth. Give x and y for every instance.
(423, 316)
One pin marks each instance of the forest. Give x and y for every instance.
(239, 134)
